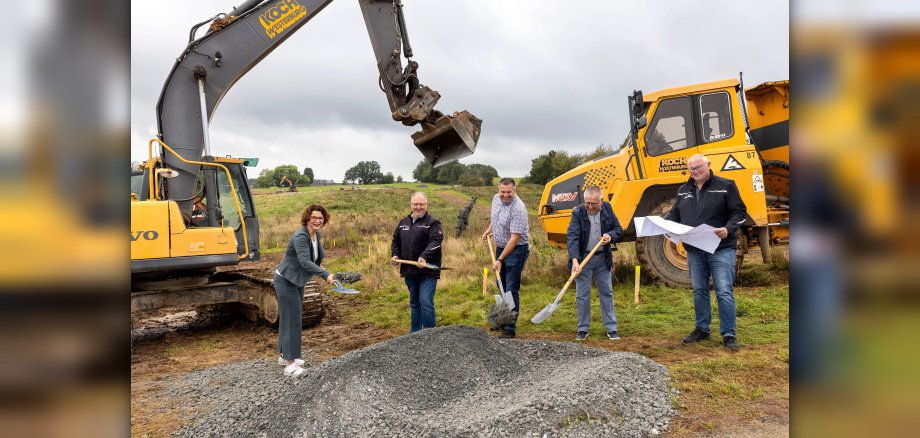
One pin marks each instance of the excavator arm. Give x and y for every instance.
(237, 41)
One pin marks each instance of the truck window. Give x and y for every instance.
(671, 128)
(716, 116)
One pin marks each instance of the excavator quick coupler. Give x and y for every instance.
(449, 138)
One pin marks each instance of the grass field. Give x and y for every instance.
(718, 389)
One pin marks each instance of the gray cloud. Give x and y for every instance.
(541, 76)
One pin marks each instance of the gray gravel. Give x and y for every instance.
(448, 381)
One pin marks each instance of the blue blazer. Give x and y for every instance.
(580, 229)
(298, 265)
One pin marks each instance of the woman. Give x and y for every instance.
(301, 261)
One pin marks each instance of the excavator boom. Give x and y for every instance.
(236, 42)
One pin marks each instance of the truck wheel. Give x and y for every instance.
(666, 262)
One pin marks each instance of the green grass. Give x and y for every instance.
(710, 379)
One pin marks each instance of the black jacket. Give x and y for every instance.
(718, 204)
(420, 239)
(579, 232)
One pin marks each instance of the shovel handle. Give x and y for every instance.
(491, 251)
(410, 262)
(498, 278)
(572, 277)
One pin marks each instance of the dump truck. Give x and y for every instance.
(192, 210)
(743, 132)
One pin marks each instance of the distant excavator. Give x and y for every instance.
(292, 187)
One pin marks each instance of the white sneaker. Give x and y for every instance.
(283, 362)
(293, 370)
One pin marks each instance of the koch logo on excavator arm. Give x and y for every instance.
(281, 16)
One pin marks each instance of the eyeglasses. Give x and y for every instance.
(592, 203)
(695, 168)
(317, 218)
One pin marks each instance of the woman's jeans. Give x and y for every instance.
(290, 317)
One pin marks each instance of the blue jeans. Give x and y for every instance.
(290, 318)
(511, 277)
(597, 269)
(421, 302)
(721, 267)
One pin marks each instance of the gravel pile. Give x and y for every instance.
(449, 381)
(347, 277)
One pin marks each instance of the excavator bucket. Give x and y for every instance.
(450, 138)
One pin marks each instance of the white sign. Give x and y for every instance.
(757, 180)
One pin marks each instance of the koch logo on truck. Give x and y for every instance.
(281, 16)
(672, 164)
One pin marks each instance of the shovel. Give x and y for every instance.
(505, 297)
(551, 307)
(425, 266)
(341, 289)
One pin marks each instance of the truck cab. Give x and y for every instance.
(641, 179)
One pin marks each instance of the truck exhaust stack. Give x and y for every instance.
(449, 138)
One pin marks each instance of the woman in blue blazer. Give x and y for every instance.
(302, 260)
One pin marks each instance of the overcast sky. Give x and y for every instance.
(541, 74)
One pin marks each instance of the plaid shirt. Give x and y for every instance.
(507, 219)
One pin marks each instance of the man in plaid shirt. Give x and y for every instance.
(509, 226)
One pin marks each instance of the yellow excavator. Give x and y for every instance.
(192, 211)
(290, 184)
(743, 132)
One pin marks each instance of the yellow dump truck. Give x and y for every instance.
(745, 135)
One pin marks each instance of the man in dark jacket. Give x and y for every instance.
(418, 238)
(593, 222)
(712, 200)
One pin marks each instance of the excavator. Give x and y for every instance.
(290, 184)
(194, 211)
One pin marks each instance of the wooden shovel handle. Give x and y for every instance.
(491, 250)
(410, 262)
(572, 277)
(492, 253)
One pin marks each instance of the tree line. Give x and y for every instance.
(543, 168)
(273, 177)
(554, 163)
(455, 173)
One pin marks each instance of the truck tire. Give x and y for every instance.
(666, 262)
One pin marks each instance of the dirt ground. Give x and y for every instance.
(171, 342)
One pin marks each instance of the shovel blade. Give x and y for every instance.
(450, 138)
(508, 299)
(341, 289)
(545, 313)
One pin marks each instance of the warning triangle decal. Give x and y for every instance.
(732, 164)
